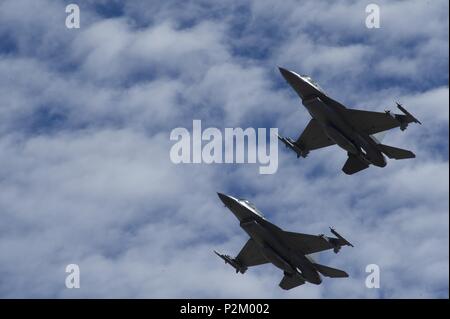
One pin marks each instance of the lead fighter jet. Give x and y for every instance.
(353, 130)
(286, 250)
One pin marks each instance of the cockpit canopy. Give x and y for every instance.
(308, 79)
(249, 204)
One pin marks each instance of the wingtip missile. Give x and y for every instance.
(345, 241)
(232, 262)
(409, 115)
(220, 255)
(293, 146)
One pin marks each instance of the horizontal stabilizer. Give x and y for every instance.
(291, 281)
(330, 272)
(396, 153)
(354, 165)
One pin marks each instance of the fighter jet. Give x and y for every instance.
(353, 130)
(286, 250)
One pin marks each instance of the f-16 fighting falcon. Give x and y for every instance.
(353, 130)
(286, 250)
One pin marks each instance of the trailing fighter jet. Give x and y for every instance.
(286, 250)
(353, 130)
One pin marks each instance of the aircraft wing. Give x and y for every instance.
(309, 244)
(375, 122)
(313, 137)
(250, 255)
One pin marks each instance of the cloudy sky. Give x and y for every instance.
(85, 120)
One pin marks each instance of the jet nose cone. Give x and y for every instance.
(284, 72)
(221, 196)
(225, 199)
(289, 76)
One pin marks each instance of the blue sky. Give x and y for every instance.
(85, 120)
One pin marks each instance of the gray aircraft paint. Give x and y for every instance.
(285, 250)
(349, 129)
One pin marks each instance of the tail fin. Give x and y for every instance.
(396, 153)
(354, 165)
(330, 272)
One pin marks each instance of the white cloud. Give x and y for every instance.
(98, 188)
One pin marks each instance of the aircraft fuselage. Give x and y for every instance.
(328, 115)
(277, 251)
(287, 251)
